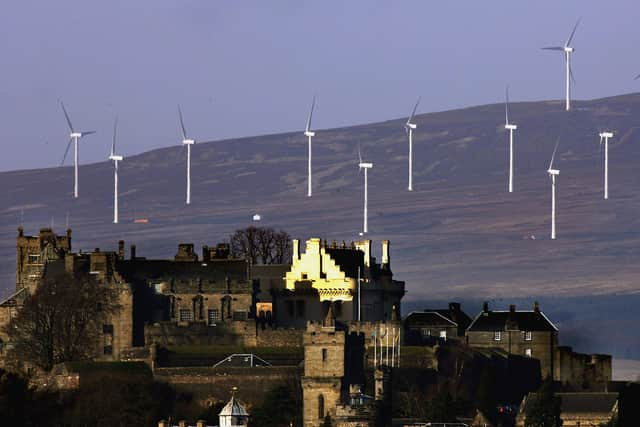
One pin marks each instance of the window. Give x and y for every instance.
(108, 350)
(213, 316)
(304, 276)
(528, 352)
(98, 306)
(239, 315)
(426, 332)
(300, 308)
(321, 407)
(185, 315)
(443, 335)
(34, 258)
(107, 329)
(528, 336)
(497, 336)
(324, 354)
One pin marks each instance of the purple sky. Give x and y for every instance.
(251, 67)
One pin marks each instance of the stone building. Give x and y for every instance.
(525, 333)
(326, 277)
(576, 371)
(578, 409)
(436, 325)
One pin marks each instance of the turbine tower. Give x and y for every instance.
(568, 50)
(510, 127)
(308, 133)
(409, 127)
(366, 166)
(74, 136)
(604, 137)
(116, 158)
(188, 143)
(552, 174)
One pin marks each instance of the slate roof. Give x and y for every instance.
(430, 318)
(215, 270)
(521, 320)
(581, 403)
(348, 260)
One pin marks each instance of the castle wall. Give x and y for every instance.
(576, 371)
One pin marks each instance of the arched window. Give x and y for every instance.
(321, 406)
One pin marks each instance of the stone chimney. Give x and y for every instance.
(454, 307)
(295, 252)
(121, 249)
(512, 308)
(365, 246)
(536, 307)
(386, 264)
(21, 231)
(313, 249)
(133, 252)
(206, 254)
(485, 307)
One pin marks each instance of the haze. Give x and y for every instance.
(251, 68)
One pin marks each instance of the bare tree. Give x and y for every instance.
(62, 321)
(260, 245)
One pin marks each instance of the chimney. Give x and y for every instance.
(365, 246)
(133, 252)
(512, 308)
(206, 255)
(295, 253)
(485, 306)
(121, 249)
(454, 307)
(20, 231)
(536, 307)
(385, 255)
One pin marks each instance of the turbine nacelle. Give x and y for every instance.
(553, 171)
(510, 127)
(188, 142)
(116, 158)
(365, 165)
(75, 135)
(411, 125)
(568, 49)
(606, 134)
(309, 133)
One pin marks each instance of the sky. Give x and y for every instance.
(244, 68)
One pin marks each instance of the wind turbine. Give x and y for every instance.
(308, 133)
(409, 127)
(605, 136)
(552, 174)
(74, 136)
(188, 142)
(510, 127)
(366, 166)
(116, 158)
(568, 50)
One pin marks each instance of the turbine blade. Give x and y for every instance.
(359, 153)
(573, 79)
(66, 152)
(560, 48)
(115, 130)
(66, 115)
(572, 33)
(637, 77)
(313, 104)
(184, 132)
(554, 153)
(89, 132)
(413, 113)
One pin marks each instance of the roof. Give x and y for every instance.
(430, 318)
(348, 260)
(520, 320)
(581, 403)
(11, 300)
(217, 271)
(233, 409)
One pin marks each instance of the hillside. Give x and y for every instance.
(459, 233)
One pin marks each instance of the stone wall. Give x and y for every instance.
(209, 385)
(576, 371)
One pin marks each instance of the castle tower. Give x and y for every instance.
(33, 253)
(323, 372)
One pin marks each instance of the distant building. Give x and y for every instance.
(524, 333)
(435, 325)
(578, 409)
(233, 414)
